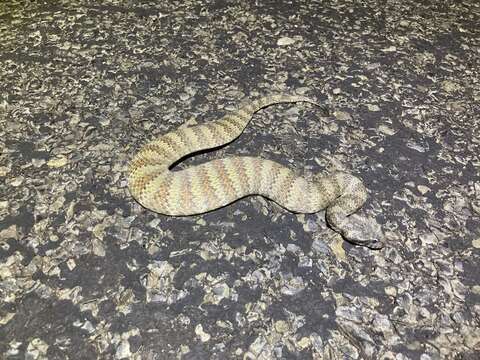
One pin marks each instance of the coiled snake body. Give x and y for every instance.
(219, 182)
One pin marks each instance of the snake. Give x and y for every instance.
(155, 183)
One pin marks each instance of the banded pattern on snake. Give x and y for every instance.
(214, 184)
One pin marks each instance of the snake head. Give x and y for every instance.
(362, 231)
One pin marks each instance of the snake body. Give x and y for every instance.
(214, 184)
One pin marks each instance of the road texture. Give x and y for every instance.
(87, 273)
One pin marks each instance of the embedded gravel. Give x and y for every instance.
(86, 272)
